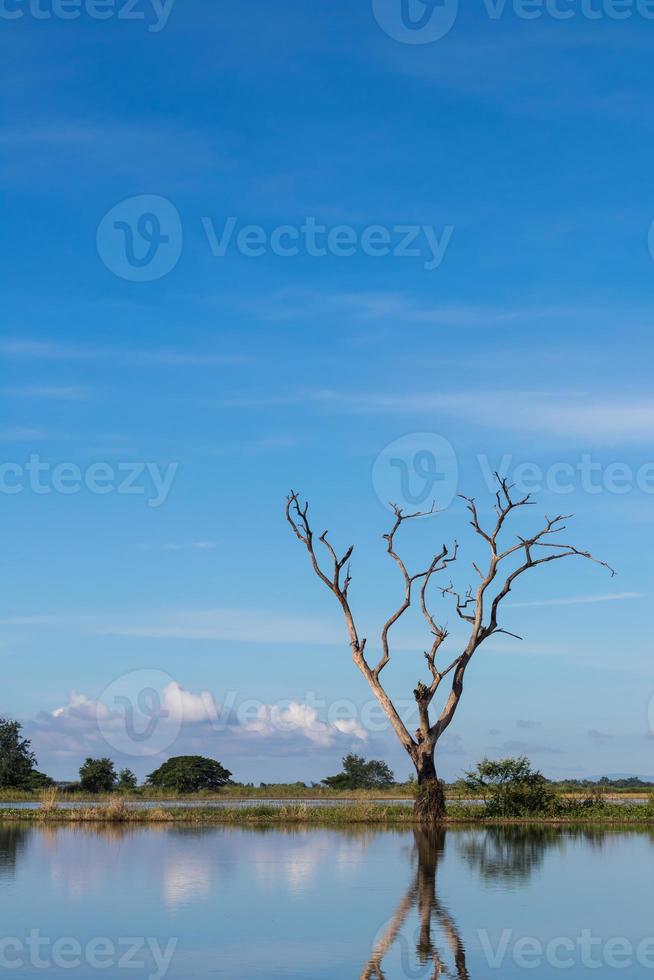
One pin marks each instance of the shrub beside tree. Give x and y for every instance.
(511, 788)
(189, 774)
(361, 774)
(127, 781)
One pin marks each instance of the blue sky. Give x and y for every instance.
(517, 153)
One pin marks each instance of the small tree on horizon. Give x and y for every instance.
(98, 776)
(479, 608)
(361, 774)
(127, 781)
(189, 774)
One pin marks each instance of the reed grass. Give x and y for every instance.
(118, 811)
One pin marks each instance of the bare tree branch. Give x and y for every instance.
(297, 516)
(472, 608)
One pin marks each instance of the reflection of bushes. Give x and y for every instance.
(509, 852)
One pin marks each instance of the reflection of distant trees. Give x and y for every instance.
(13, 839)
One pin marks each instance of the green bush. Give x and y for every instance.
(511, 788)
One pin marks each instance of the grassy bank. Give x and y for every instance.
(371, 814)
(280, 792)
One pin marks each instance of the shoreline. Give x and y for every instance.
(374, 815)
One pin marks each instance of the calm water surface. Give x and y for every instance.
(324, 905)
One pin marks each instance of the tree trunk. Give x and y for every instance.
(429, 807)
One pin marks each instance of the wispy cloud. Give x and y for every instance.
(597, 735)
(67, 393)
(564, 416)
(181, 546)
(403, 309)
(577, 600)
(114, 147)
(136, 357)
(232, 625)
(23, 433)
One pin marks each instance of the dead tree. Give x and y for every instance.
(479, 608)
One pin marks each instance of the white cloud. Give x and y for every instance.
(81, 707)
(196, 723)
(301, 719)
(181, 705)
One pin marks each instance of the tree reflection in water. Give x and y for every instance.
(432, 914)
(507, 854)
(12, 842)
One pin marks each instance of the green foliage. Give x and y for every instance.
(361, 774)
(511, 788)
(97, 776)
(17, 761)
(628, 783)
(39, 781)
(127, 781)
(189, 774)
